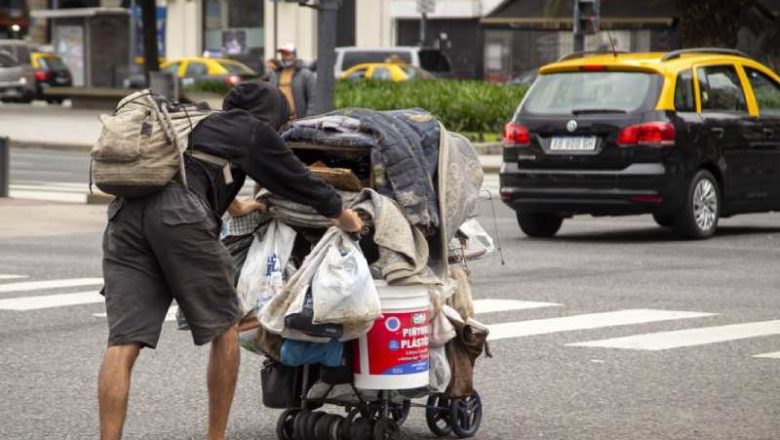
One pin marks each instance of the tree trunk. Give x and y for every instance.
(709, 23)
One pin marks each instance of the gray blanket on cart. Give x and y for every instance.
(404, 148)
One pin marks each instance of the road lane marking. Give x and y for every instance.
(689, 337)
(50, 301)
(170, 316)
(49, 284)
(775, 355)
(505, 305)
(67, 197)
(586, 322)
(8, 276)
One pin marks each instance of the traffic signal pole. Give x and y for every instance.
(586, 21)
(326, 53)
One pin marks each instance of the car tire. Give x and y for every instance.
(539, 225)
(664, 220)
(699, 217)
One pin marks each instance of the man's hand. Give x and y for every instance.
(239, 208)
(349, 221)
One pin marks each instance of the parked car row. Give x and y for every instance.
(689, 136)
(26, 73)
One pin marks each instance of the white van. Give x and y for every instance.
(432, 60)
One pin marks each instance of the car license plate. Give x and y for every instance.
(573, 143)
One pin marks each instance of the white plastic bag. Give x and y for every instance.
(262, 275)
(440, 373)
(343, 290)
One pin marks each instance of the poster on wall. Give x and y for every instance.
(139, 31)
(234, 42)
(68, 42)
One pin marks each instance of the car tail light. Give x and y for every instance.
(232, 80)
(41, 75)
(658, 134)
(516, 135)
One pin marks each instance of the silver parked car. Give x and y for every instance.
(17, 80)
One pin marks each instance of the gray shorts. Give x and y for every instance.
(159, 248)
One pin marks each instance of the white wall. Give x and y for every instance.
(375, 23)
(444, 9)
(184, 29)
(297, 25)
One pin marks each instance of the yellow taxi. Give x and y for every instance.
(385, 72)
(689, 136)
(50, 71)
(198, 69)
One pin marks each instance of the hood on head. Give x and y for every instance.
(262, 100)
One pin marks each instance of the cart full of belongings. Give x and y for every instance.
(367, 322)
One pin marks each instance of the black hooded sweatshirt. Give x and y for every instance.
(245, 134)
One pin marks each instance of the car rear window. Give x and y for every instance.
(237, 69)
(592, 92)
(7, 60)
(52, 63)
(353, 58)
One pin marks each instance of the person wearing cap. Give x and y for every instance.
(166, 246)
(296, 82)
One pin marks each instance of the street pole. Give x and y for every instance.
(133, 37)
(5, 166)
(149, 20)
(579, 33)
(326, 53)
(276, 27)
(423, 30)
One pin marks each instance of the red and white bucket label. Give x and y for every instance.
(397, 344)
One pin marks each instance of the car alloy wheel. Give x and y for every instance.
(705, 204)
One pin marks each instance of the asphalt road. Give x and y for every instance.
(600, 279)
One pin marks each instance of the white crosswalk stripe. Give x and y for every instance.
(482, 306)
(775, 355)
(50, 301)
(29, 286)
(688, 338)
(586, 322)
(50, 191)
(661, 340)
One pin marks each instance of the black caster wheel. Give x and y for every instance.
(299, 425)
(285, 424)
(323, 427)
(311, 422)
(362, 429)
(437, 415)
(466, 415)
(400, 412)
(345, 427)
(386, 429)
(334, 430)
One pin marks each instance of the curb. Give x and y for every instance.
(57, 146)
(489, 148)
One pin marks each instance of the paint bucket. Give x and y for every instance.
(393, 355)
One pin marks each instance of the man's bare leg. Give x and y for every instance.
(114, 388)
(222, 376)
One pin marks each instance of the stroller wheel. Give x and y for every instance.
(466, 415)
(311, 423)
(386, 429)
(285, 424)
(400, 411)
(437, 415)
(321, 429)
(299, 425)
(345, 427)
(362, 429)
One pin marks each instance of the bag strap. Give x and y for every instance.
(210, 158)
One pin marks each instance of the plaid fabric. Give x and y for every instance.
(244, 225)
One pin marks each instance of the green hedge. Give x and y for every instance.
(463, 106)
(472, 106)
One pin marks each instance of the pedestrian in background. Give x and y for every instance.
(296, 82)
